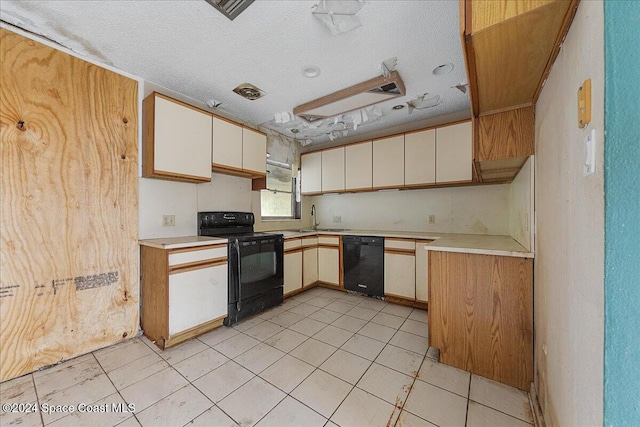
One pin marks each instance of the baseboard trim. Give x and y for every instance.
(538, 418)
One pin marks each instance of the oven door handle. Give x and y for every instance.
(236, 245)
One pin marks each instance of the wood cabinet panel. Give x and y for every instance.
(292, 271)
(226, 144)
(488, 13)
(510, 48)
(329, 265)
(359, 166)
(388, 162)
(481, 314)
(176, 139)
(311, 173)
(309, 266)
(506, 135)
(254, 151)
(333, 170)
(454, 153)
(420, 157)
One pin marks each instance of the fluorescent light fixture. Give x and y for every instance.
(371, 92)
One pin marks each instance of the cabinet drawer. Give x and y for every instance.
(309, 241)
(196, 255)
(400, 244)
(329, 240)
(292, 244)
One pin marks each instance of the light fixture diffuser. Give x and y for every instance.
(371, 92)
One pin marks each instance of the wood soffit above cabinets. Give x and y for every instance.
(509, 48)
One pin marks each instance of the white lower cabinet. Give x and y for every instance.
(400, 275)
(329, 265)
(292, 271)
(184, 292)
(196, 297)
(400, 268)
(309, 266)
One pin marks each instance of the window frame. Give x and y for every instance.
(295, 208)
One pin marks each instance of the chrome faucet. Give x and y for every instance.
(314, 215)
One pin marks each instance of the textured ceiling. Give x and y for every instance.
(191, 48)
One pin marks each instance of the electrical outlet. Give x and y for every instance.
(337, 219)
(432, 219)
(168, 220)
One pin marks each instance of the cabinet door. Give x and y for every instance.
(227, 144)
(388, 162)
(422, 272)
(181, 141)
(254, 151)
(292, 271)
(400, 275)
(311, 173)
(329, 265)
(420, 157)
(454, 153)
(309, 266)
(196, 297)
(333, 170)
(358, 166)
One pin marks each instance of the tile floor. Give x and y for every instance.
(323, 358)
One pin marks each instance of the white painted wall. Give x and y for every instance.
(473, 210)
(521, 205)
(569, 267)
(225, 193)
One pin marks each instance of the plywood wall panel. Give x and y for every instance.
(69, 276)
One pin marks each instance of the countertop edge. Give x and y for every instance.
(155, 243)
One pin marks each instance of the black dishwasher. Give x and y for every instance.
(363, 261)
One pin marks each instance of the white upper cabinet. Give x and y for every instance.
(311, 173)
(333, 170)
(254, 151)
(388, 162)
(454, 153)
(177, 140)
(358, 166)
(227, 144)
(420, 157)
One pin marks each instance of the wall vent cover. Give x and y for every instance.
(230, 8)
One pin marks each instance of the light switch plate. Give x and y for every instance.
(589, 153)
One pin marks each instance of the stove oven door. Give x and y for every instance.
(256, 270)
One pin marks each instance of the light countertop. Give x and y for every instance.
(444, 242)
(182, 242)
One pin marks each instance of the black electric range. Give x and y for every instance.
(256, 262)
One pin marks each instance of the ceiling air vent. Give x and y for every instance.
(249, 91)
(230, 8)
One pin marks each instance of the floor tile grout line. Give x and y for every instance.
(415, 378)
(502, 412)
(35, 390)
(118, 390)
